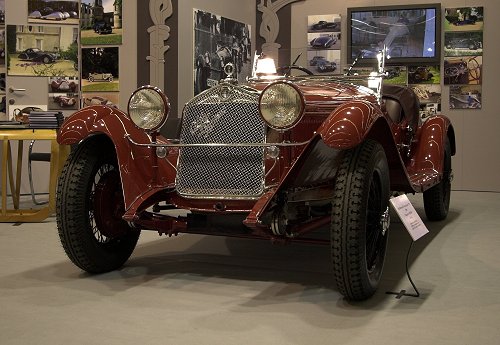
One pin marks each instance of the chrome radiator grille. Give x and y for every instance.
(224, 114)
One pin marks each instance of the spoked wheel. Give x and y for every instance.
(360, 220)
(90, 207)
(437, 198)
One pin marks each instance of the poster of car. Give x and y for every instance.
(424, 74)
(50, 11)
(429, 96)
(463, 19)
(465, 97)
(63, 101)
(463, 43)
(100, 69)
(2, 46)
(397, 75)
(2, 12)
(463, 70)
(101, 22)
(323, 61)
(324, 43)
(50, 50)
(217, 42)
(111, 99)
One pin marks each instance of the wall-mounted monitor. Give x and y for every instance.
(411, 33)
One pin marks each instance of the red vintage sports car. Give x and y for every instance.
(284, 158)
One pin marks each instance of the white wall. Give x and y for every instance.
(477, 162)
(243, 11)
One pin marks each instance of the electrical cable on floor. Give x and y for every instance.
(403, 292)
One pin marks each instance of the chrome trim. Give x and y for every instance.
(283, 144)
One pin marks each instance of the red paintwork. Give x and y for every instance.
(336, 115)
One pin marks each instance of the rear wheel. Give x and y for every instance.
(437, 198)
(360, 220)
(46, 59)
(90, 207)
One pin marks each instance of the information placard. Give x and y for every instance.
(409, 216)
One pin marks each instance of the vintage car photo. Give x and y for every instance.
(463, 70)
(463, 19)
(48, 51)
(463, 43)
(103, 26)
(43, 11)
(63, 85)
(110, 99)
(465, 97)
(323, 41)
(100, 77)
(423, 75)
(63, 101)
(396, 75)
(100, 69)
(324, 23)
(287, 158)
(37, 55)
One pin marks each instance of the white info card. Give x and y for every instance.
(410, 218)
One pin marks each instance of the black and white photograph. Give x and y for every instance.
(429, 96)
(54, 11)
(217, 42)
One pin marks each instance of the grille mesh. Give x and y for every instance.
(224, 114)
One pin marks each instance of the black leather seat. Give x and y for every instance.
(394, 109)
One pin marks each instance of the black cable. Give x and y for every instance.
(403, 292)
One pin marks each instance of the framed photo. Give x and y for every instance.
(42, 50)
(463, 70)
(60, 12)
(101, 22)
(465, 97)
(100, 69)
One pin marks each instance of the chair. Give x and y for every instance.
(38, 157)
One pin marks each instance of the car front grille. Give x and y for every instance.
(224, 114)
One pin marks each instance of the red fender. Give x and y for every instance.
(139, 179)
(426, 165)
(348, 125)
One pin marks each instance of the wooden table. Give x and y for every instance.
(58, 157)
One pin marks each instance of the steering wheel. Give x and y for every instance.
(286, 70)
(474, 69)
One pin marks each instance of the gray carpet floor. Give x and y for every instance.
(201, 290)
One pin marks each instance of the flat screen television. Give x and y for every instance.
(411, 33)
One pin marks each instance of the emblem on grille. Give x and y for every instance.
(205, 123)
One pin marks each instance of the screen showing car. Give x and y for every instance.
(409, 33)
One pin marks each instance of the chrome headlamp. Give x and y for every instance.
(148, 108)
(281, 105)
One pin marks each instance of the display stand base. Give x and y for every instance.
(403, 292)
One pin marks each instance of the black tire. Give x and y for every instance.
(360, 220)
(89, 209)
(46, 59)
(91, 79)
(437, 198)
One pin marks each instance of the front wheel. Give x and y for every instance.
(437, 198)
(360, 220)
(90, 207)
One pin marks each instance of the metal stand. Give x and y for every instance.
(403, 292)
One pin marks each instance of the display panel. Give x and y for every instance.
(411, 33)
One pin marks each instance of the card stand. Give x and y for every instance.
(403, 292)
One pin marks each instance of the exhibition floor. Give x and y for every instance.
(202, 290)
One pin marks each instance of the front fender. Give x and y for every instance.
(348, 125)
(426, 166)
(137, 164)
